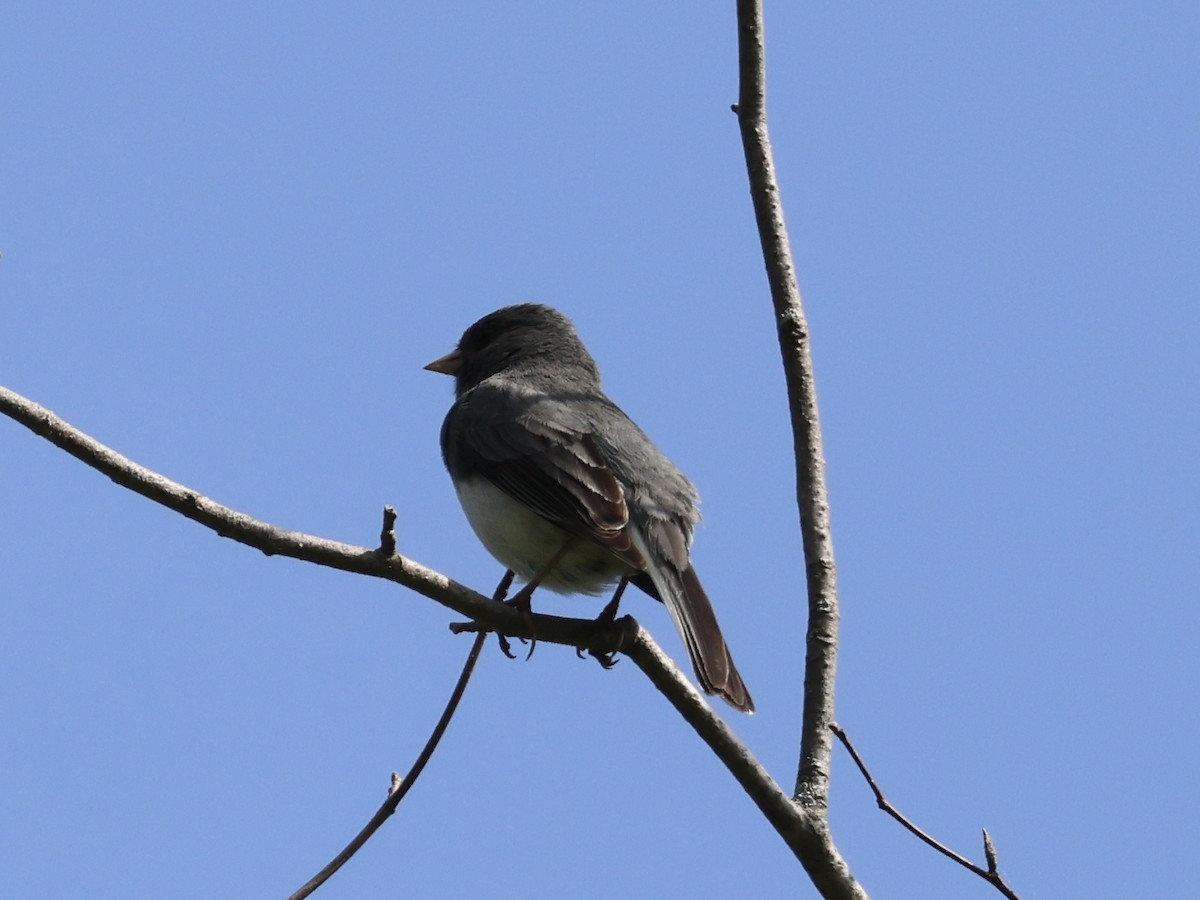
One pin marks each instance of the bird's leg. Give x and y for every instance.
(498, 595)
(523, 601)
(607, 616)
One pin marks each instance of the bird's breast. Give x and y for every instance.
(525, 542)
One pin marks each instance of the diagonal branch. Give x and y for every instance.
(788, 819)
(400, 786)
(991, 874)
(275, 541)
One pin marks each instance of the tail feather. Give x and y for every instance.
(690, 609)
(697, 623)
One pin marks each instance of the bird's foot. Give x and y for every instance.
(523, 604)
(607, 617)
(498, 595)
(505, 646)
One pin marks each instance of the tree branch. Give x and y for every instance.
(991, 874)
(625, 635)
(275, 541)
(825, 864)
(812, 783)
(400, 786)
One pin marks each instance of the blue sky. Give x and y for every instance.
(232, 234)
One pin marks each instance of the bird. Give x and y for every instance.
(564, 489)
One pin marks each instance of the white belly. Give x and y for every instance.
(523, 541)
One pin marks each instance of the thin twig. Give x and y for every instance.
(990, 874)
(400, 787)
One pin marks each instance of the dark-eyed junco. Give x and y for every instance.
(563, 488)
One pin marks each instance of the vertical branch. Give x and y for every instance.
(816, 740)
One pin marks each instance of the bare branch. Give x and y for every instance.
(823, 862)
(387, 536)
(400, 786)
(812, 783)
(805, 834)
(274, 541)
(989, 853)
(625, 635)
(990, 874)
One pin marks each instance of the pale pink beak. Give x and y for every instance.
(448, 364)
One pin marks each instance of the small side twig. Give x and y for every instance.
(989, 851)
(387, 537)
(991, 874)
(400, 786)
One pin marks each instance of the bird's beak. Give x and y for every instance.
(448, 364)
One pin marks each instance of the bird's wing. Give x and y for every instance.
(539, 450)
(542, 450)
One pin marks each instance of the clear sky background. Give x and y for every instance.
(233, 233)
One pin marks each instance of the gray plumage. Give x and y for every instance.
(538, 453)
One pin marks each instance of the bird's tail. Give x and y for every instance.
(693, 615)
(696, 621)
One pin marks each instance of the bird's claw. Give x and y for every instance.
(505, 646)
(606, 660)
(523, 605)
(607, 617)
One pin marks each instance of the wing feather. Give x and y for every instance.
(547, 458)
